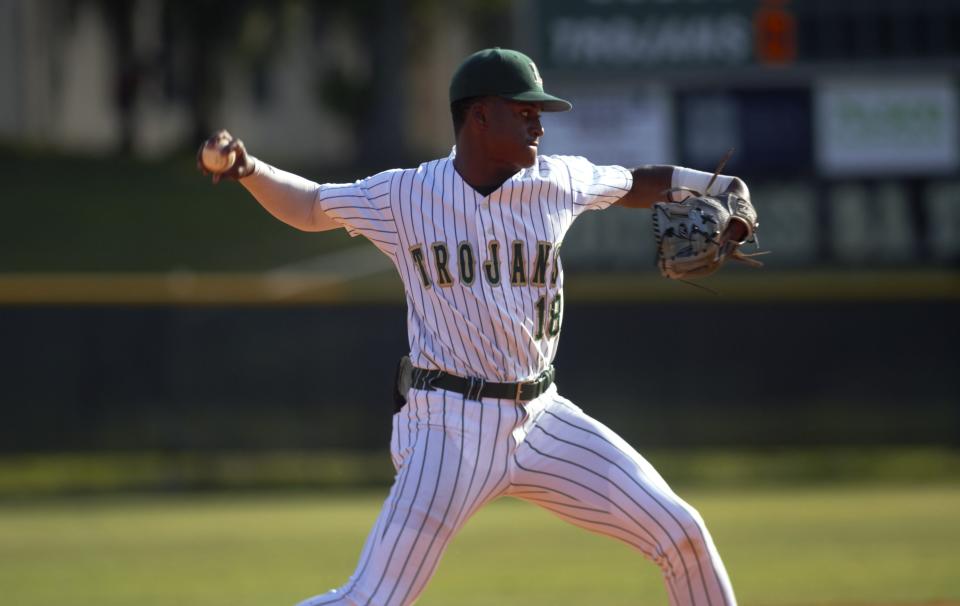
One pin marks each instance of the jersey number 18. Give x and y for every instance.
(549, 322)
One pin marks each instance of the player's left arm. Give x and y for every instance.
(652, 181)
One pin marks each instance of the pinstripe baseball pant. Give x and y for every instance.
(454, 455)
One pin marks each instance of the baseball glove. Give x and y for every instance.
(690, 234)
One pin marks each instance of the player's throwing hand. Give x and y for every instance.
(224, 157)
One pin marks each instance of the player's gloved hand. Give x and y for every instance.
(243, 163)
(696, 235)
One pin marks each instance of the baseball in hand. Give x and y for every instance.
(215, 157)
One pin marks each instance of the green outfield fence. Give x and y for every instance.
(711, 372)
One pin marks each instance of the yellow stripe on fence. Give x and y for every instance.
(175, 288)
(270, 288)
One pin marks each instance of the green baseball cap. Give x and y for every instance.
(501, 72)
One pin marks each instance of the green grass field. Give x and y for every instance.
(789, 546)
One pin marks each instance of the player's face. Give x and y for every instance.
(513, 132)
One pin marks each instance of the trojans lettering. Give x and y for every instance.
(436, 265)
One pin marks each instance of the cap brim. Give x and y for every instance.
(549, 102)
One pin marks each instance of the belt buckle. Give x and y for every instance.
(538, 383)
(544, 377)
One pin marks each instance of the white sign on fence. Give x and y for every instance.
(886, 126)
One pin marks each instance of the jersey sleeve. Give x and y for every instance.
(363, 208)
(593, 187)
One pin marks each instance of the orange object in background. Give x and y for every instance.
(775, 33)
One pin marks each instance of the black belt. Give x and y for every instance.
(474, 388)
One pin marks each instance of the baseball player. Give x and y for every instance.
(476, 237)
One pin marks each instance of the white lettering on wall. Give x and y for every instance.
(622, 40)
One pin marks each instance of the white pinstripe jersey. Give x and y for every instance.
(482, 274)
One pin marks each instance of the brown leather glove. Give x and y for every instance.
(695, 236)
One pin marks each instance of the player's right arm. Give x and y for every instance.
(288, 197)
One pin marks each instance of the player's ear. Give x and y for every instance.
(478, 112)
